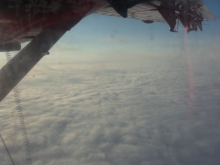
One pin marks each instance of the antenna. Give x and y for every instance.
(6, 148)
(21, 117)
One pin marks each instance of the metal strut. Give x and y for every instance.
(15, 70)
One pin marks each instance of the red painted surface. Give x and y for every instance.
(18, 22)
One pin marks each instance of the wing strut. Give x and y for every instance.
(15, 70)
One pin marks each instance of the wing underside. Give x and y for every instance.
(145, 11)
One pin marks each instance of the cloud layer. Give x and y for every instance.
(133, 113)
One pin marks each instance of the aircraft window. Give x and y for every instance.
(109, 82)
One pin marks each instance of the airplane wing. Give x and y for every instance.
(206, 13)
(144, 11)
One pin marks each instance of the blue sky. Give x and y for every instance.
(97, 34)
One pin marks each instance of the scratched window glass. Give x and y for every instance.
(109, 82)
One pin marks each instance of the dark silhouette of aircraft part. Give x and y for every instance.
(122, 6)
(169, 14)
(185, 12)
(191, 13)
(189, 16)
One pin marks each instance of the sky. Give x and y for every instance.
(96, 34)
(116, 91)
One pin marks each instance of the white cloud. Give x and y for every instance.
(113, 114)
